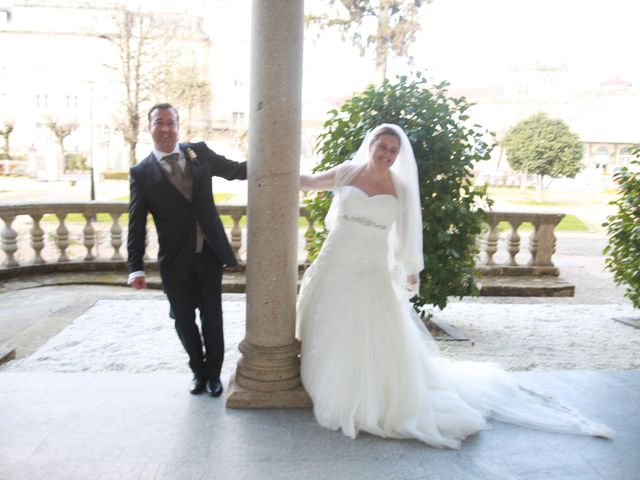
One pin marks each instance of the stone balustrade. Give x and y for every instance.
(541, 245)
(66, 236)
(73, 236)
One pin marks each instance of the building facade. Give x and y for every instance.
(602, 114)
(60, 65)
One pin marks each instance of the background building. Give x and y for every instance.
(602, 114)
(58, 64)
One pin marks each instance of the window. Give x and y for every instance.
(42, 101)
(237, 118)
(601, 158)
(43, 134)
(5, 17)
(71, 102)
(625, 157)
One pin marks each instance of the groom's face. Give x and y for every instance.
(163, 126)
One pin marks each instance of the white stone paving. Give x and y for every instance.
(137, 336)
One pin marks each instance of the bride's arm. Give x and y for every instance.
(320, 181)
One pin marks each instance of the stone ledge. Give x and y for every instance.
(525, 286)
(234, 282)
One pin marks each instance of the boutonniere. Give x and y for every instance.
(191, 155)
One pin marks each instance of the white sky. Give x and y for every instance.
(474, 41)
(466, 38)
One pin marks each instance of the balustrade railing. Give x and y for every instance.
(541, 244)
(91, 234)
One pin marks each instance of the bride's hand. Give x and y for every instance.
(413, 284)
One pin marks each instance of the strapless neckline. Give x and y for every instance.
(358, 189)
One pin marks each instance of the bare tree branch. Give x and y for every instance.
(395, 25)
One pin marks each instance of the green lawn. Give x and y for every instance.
(551, 199)
(498, 194)
(219, 198)
(570, 223)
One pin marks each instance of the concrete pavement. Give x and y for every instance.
(146, 426)
(127, 426)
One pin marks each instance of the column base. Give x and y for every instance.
(240, 397)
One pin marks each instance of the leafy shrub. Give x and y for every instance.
(75, 162)
(623, 229)
(446, 149)
(115, 175)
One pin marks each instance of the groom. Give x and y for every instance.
(174, 184)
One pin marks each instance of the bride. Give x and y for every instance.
(367, 361)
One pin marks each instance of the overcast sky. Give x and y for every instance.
(475, 41)
(596, 38)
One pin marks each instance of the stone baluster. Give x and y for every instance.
(116, 236)
(491, 241)
(533, 243)
(9, 241)
(89, 236)
(62, 238)
(37, 239)
(236, 232)
(546, 241)
(514, 242)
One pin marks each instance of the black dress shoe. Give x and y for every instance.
(198, 385)
(214, 387)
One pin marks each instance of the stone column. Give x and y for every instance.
(268, 372)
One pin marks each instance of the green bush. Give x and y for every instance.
(75, 162)
(453, 209)
(115, 175)
(623, 230)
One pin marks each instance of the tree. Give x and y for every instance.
(153, 65)
(623, 229)
(544, 146)
(5, 131)
(393, 25)
(61, 130)
(135, 42)
(189, 90)
(453, 209)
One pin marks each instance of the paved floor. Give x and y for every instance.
(126, 426)
(146, 426)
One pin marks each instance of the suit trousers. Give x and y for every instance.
(202, 289)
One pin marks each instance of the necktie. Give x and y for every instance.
(172, 160)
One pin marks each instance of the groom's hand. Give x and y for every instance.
(139, 283)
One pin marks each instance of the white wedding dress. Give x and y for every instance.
(369, 364)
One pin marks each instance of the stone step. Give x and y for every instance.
(235, 282)
(525, 286)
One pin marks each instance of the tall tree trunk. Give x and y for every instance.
(523, 179)
(6, 132)
(61, 165)
(381, 64)
(539, 190)
(132, 153)
(6, 144)
(381, 46)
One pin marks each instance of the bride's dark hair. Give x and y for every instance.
(384, 131)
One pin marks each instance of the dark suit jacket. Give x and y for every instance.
(175, 217)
